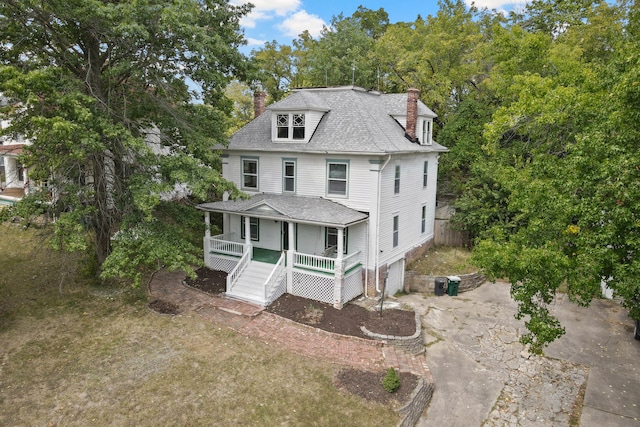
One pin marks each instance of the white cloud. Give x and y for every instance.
(499, 5)
(300, 21)
(266, 9)
(255, 42)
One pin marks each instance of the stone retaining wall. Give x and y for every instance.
(420, 398)
(426, 284)
(413, 344)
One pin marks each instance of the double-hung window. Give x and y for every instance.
(425, 174)
(396, 181)
(337, 177)
(250, 174)
(331, 239)
(290, 126)
(423, 226)
(289, 175)
(395, 231)
(254, 228)
(426, 132)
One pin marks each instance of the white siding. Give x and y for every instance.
(311, 176)
(407, 205)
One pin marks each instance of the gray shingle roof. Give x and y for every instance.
(314, 210)
(356, 121)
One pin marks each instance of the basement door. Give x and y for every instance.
(395, 280)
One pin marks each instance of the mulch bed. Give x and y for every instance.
(368, 385)
(164, 307)
(213, 282)
(346, 321)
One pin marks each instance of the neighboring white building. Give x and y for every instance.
(343, 186)
(14, 180)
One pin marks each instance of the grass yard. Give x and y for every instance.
(74, 354)
(443, 261)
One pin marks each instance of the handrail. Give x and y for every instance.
(232, 278)
(271, 282)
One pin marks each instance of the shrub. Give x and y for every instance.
(391, 381)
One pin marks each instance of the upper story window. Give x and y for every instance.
(425, 174)
(290, 126)
(396, 182)
(289, 175)
(250, 173)
(426, 132)
(337, 177)
(396, 231)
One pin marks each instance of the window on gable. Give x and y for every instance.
(254, 228)
(250, 174)
(331, 239)
(426, 132)
(423, 226)
(290, 126)
(396, 183)
(425, 173)
(395, 231)
(337, 173)
(289, 176)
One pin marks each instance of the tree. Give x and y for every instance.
(564, 148)
(440, 55)
(105, 90)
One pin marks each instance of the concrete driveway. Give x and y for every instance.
(484, 376)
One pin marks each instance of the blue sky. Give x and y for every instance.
(283, 20)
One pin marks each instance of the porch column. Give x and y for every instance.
(339, 271)
(247, 233)
(290, 256)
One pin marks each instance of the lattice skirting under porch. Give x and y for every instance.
(313, 286)
(319, 287)
(216, 262)
(352, 285)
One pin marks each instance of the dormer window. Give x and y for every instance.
(426, 132)
(290, 126)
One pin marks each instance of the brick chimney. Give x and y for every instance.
(412, 114)
(259, 101)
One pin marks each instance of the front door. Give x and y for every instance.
(284, 236)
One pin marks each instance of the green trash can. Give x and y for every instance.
(453, 284)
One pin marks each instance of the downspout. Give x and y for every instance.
(378, 224)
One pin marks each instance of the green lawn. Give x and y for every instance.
(74, 354)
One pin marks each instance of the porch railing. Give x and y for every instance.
(314, 262)
(232, 277)
(324, 264)
(272, 283)
(351, 260)
(220, 244)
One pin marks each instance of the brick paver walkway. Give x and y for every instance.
(311, 342)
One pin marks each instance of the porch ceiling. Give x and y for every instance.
(311, 210)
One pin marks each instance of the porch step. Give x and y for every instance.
(250, 283)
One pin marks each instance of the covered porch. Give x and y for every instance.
(272, 244)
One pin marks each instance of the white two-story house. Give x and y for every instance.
(343, 191)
